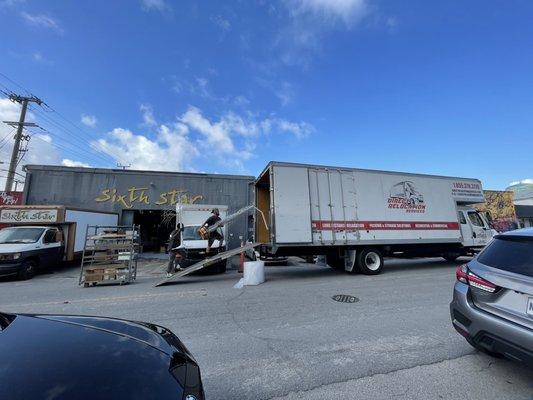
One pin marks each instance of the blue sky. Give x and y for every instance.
(431, 87)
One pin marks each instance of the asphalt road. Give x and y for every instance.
(287, 338)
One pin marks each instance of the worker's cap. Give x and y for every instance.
(215, 211)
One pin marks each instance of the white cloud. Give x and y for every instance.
(285, 93)
(148, 115)
(201, 88)
(229, 140)
(170, 151)
(391, 22)
(300, 130)
(221, 22)
(349, 11)
(72, 163)
(241, 101)
(42, 21)
(37, 56)
(217, 135)
(309, 21)
(89, 120)
(44, 137)
(11, 3)
(156, 5)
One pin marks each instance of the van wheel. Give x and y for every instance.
(27, 270)
(369, 261)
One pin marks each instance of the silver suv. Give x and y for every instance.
(492, 303)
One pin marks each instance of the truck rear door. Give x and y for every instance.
(292, 210)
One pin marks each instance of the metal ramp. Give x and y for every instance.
(237, 213)
(208, 261)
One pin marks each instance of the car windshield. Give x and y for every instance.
(20, 235)
(510, 253)
(191, 233)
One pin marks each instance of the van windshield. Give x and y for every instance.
(191, 233)
(20, 235)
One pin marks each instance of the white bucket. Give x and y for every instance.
(254, 272)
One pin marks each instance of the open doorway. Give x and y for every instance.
(156, 226)
(262, 193)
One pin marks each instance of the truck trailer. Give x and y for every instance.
(356, 217)
(38, 237)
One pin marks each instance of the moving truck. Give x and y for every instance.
(44, 236)
(189, 217)
(356, 217)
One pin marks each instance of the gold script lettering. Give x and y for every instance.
(138, 195)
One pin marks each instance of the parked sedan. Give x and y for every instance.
(492, 303)
(78, 357)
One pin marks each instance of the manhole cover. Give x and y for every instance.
(345, 298)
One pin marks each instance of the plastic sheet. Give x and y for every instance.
(254, 273)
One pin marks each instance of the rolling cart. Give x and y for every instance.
(110, 255)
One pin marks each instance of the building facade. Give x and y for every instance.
(147, 198)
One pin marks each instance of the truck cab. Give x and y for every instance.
(23, 249)
(475, 229)
(192, 248)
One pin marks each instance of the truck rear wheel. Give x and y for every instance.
(369, 261)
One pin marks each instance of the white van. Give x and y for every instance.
(189, 217)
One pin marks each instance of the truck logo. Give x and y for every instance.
(405, 196)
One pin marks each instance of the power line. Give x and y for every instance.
(16, 173)
(3, 142)
(60, 147)
(46, 113)
(104, 157)
(15, 83)
(16, 152)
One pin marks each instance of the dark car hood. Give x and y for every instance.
(67, 357)
(150, 334)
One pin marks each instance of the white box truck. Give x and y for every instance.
(356, 217)
(189, 217)
(44, 236)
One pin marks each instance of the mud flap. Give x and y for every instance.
(349, 260)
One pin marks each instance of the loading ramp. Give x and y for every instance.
(207, 262)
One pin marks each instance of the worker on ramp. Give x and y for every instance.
(174, 256)
(215, 234)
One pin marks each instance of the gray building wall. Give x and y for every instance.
(124, 191)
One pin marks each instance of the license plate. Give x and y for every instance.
(529, 310)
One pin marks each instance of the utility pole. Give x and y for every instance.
(24, 100)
